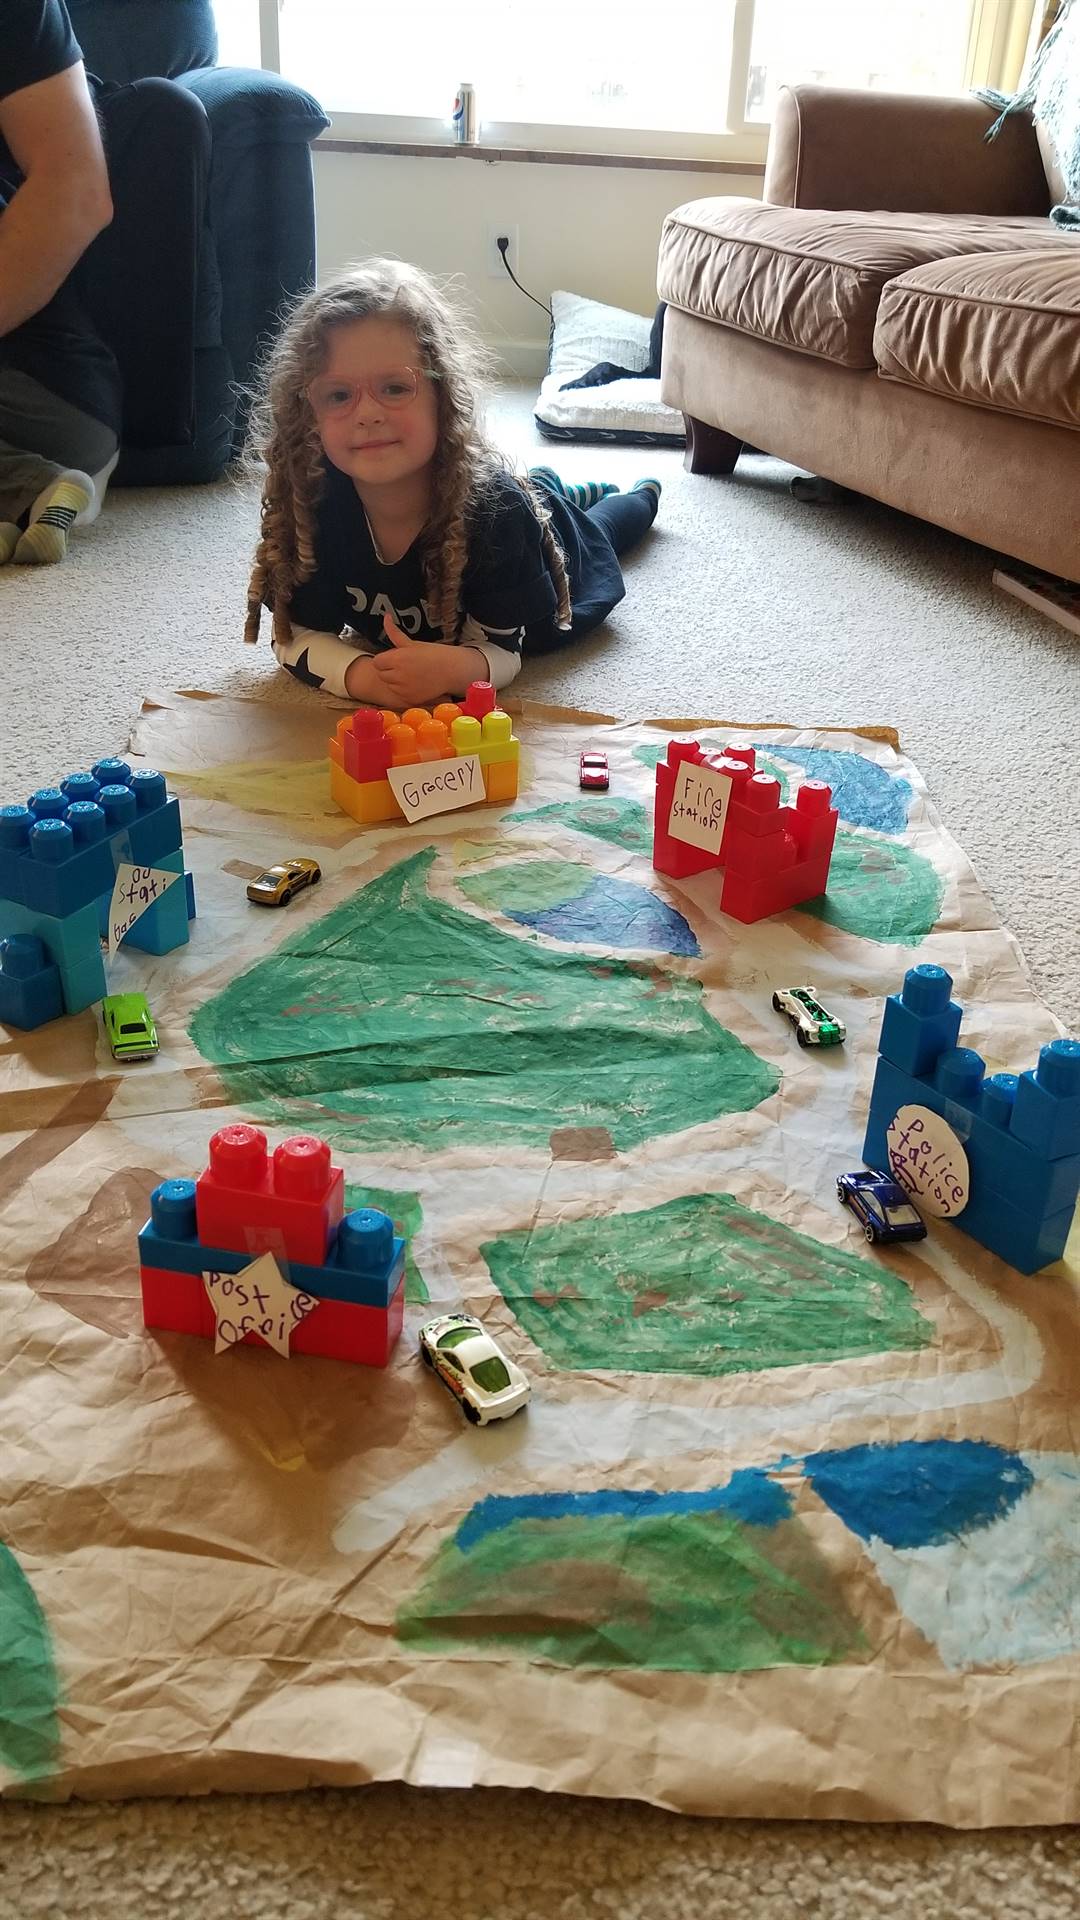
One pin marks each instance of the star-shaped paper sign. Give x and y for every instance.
(259, 1300)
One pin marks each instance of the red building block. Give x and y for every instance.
(288, 1206)
(175, 1302)
(769, 871)
(479, 699)
(365, 747)
(334, 1330)
(675, 857)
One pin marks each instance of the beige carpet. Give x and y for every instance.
(742, 605)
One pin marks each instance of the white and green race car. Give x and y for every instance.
(814, 1027)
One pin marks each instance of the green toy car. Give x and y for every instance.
(129, 1025)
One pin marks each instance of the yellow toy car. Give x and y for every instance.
(278, 885)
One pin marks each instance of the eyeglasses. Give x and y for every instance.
(332, 399)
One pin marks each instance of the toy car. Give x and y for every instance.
(129, 1026)
(813, 1026)
(277, 886)
(880, 1205)
(593, 772)
(468, 1362)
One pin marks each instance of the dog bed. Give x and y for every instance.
(585, 333)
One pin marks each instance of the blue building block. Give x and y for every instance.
(62, 849)
(365, 1264)
(919, 1023)
(189, 890)
(1007, 1164)
(1047, 1110)
(1021, 1134)
(29, 984)
(54, 864)
(1028, 1240)
(72, 943)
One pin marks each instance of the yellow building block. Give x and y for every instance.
(366, 801)
(499, 753)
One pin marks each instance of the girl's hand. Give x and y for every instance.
(417, 672)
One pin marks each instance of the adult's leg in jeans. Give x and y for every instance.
(625, 517)
(41, 437)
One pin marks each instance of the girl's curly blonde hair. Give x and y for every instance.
(283, 436)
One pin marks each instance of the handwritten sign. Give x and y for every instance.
(135, 890)
(928, 1160)
(437, 786)
(699, 806)
(258, 1300)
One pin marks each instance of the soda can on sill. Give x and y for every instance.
(465, 115)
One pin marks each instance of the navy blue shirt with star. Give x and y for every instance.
(506, 588)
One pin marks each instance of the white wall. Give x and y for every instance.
(589, 230)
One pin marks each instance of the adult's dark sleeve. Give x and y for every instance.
(36, 42)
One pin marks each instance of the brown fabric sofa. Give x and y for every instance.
(897, 315)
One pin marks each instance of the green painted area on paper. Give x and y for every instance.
(693, 1593)
(698, 1285)
(29, 1729)
(763, 764)
(401, 1018)
(880, 890)
(529, 886)
(650, 756)
(407, 1214)
(622, 823)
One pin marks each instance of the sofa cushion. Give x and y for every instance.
(812, 280)
(998, 330)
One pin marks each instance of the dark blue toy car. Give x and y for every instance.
(880, 1205)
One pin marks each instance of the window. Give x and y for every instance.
(491, 1375)
(694, 78)
(565, 63)
(920, 47)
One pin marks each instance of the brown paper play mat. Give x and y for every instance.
(791, 1526)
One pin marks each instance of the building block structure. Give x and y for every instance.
(772, 856)
(356, 1268)
(1021, 1132)
(368, 742)
(59, 855)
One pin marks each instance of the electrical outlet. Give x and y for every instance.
(496, 270)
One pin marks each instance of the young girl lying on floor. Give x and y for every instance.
(400, 557)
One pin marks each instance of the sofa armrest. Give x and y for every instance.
(845, 148)
(261, 205)
(247, 107)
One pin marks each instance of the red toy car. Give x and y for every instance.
(593, 772)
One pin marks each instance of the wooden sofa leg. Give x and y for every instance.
(709, 449)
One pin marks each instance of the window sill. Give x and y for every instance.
(538, 156)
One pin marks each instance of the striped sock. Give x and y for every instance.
(653, 486)
(54, 510)
(9, 540)
(582, 493)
